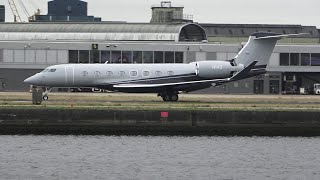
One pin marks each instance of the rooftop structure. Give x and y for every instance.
(166, 13)
(103, 31)
(67, 10)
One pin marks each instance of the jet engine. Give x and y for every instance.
(216, 69)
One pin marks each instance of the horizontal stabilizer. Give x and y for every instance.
(244, 71)
(280, 36)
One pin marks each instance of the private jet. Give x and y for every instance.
(166, 80)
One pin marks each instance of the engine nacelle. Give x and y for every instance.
(216, 69)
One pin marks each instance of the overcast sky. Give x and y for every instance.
(304, 12)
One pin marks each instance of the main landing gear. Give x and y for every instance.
(169, 96)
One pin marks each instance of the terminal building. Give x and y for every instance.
(28, 48)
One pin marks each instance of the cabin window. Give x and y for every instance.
(97, 73)
(133, 73)
(170, 73)
(109, 73)
(146, 73)
(158, 73)
(84, 73)
(122, 73)
(52, 70)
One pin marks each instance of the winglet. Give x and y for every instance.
(244, 71)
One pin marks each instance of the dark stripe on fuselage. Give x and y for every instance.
(156, 80)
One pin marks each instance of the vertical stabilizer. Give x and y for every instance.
(258, 48)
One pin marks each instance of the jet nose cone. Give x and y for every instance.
(27, 81)
(31, 80)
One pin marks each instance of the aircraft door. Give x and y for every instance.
(197, 69)
(69, 75)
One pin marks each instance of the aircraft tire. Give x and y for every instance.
(45, 97)
(174, 97)
(166, 98)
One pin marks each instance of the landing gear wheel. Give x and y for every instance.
(166, 97)
(174, 97)
(45, 97)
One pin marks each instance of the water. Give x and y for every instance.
(107, 157)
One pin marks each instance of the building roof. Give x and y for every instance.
(245, 30)
(113, 31)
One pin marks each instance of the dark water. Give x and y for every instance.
(104, 157)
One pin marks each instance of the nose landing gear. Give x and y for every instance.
(46, 91)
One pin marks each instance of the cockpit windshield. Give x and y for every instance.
(49, 70)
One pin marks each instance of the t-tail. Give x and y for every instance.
(259, 49)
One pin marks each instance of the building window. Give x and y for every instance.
(116, 57)
(242, 31)
(315, 59)
(236, 84)
(137, 56)
(133, 73)
(73, 56)
(178, 57)
(83, 56)
(284, 59)
(127, 57)
(284, 32)
(95, 56)
(294, 59)
(1, 55)
(305, 59)
(169, 57)
(109, 73)
(105, 56)
(230, 32)
(148, 57)
(69, 8)
(216, 31)
(158, 57)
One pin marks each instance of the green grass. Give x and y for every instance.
(188, 102)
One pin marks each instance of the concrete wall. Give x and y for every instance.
(247, 123)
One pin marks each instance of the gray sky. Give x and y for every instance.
(305, 12)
